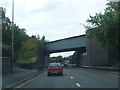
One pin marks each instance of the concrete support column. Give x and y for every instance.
(79, 56)
(42, 61)
(46, 60)
(78, 59)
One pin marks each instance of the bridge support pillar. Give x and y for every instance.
(46, 59)
(78, 56)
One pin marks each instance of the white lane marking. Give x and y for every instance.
(71, 77)
(78, 84)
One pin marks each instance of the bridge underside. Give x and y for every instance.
(82, 49)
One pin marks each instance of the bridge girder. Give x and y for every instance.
(67, 44)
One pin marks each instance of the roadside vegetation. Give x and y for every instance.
(105, 28)
(26, 47)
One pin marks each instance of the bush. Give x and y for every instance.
(26, 61)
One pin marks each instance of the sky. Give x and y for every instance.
(54, 19)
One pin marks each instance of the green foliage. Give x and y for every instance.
(26, 61)
(105, 27)
(72, 65)
(32, 48)
(60, 59)
(2, 10)
(29, 49)
(56, 59)
(6, 34)
(19, 36)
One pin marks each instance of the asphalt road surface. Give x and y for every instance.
(73, 78)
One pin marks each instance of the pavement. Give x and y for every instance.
(111, 70)
(18, 76)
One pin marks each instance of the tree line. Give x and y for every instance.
(26, 47)
(105, 28)
(60, 59)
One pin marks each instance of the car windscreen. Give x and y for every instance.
(54, 64)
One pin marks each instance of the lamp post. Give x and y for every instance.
(12, 61)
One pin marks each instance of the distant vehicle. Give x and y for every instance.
(55, 68)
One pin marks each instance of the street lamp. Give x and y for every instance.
(12, 37)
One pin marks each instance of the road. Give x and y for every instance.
(73, 78)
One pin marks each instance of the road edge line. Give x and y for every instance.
(24, 80)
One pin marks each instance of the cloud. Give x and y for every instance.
(64, 15)
(6, 3)
(36, 4)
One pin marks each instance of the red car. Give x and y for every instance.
(55, 68)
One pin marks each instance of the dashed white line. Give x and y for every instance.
(78, 84)
(71, 77)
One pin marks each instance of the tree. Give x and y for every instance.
(20, 36)
(32, 50)
(43, 38)
(28, 52)
(2, 10)
(6, 31)
(106, 27)
(56, 59)
(28, 49)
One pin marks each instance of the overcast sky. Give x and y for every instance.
(56, 19)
